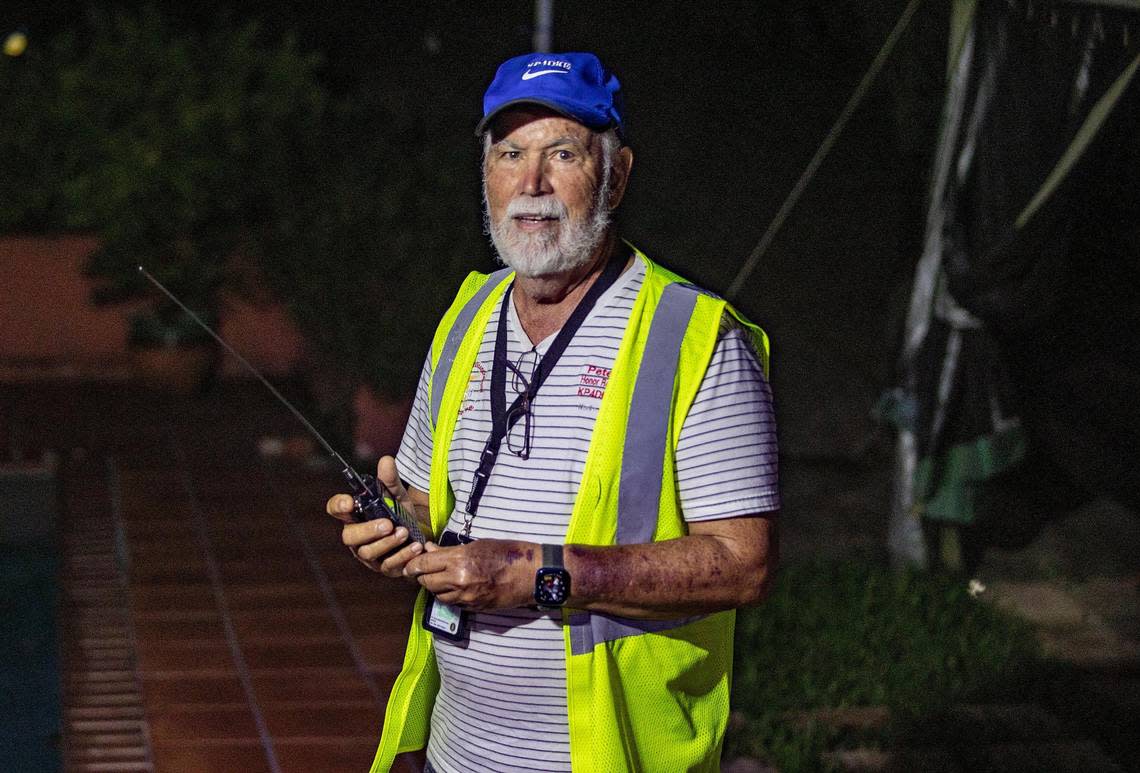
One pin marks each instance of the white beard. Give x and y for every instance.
(543, 254)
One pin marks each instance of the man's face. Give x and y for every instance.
(548, 191)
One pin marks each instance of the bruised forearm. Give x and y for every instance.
(719, 565)
(698, 573)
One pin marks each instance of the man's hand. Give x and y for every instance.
(484, 574)
(372, 541)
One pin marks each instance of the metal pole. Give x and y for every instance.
(543, 25)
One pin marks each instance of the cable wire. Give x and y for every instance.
(821, 152)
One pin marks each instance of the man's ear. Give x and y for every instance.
(619, 179)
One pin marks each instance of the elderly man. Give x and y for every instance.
(592, 445)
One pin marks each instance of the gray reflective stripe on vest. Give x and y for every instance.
(643, 459)
(455, 338)
(644, 451)
(588, 629)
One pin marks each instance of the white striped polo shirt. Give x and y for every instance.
(502, 700)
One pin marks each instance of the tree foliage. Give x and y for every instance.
(163, 142)
(218, 156)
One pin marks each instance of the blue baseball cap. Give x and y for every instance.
(577, 85)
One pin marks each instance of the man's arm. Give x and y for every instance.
(720, 564)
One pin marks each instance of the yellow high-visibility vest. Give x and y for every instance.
(642, 695)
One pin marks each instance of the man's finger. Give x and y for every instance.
(394, 565)
(388, 474)
(355, 535)
(340, 506)
(440, 587)
(433, 560)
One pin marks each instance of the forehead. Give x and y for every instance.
(533, 123)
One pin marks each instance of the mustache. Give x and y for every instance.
(547, 207)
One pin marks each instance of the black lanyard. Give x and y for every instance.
(503, 418)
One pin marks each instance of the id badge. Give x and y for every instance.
(446, 620)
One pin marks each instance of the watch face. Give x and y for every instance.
(551, 587)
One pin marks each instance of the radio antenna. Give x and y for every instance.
(368, 492)
(248, 366)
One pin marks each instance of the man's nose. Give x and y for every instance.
(536, 181)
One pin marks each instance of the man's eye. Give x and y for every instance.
(512, 155)
(565, 155)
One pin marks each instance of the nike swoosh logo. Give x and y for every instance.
(528, 74)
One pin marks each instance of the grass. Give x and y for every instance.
(857, 634)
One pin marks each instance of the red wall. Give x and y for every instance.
(50, 329)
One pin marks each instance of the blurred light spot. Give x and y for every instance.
(432, 43)
(975, 588)
(15, 44)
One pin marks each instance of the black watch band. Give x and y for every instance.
(552, 557)
(551, 581)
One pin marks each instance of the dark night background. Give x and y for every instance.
(726, 104)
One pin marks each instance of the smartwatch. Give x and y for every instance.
(552, 581)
